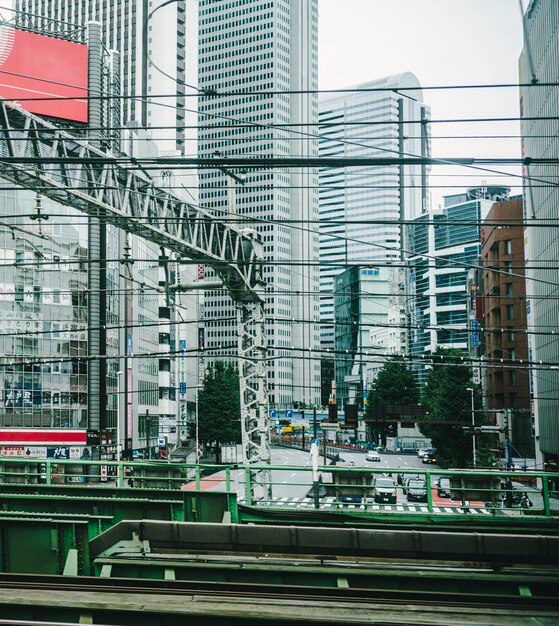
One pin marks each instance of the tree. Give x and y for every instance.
(446, 394)
(394, 385)
(219, 408)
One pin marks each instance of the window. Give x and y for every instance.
(508, 267)
(508, 246)
(510, 311)
(509, 289)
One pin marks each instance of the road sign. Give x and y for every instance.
(162, 442)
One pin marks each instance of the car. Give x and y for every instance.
(421, 453)
(429, 458)
(385, 491)
(407, 478)
(417, 491)
(443, 487)
(373, 456)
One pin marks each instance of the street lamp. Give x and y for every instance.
(118, 376)
(473, 427)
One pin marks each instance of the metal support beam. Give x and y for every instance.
(252, 375)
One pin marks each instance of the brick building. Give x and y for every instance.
(504, 306)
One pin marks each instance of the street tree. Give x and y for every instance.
(446, 394)
(219, 408)
(394, 385)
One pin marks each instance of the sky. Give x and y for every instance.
(443, 42)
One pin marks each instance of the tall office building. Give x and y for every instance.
(439, 263)
(540, 111)
(375, 119)
(262, 50)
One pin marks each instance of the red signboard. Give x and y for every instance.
(42, 436)
(36, 66)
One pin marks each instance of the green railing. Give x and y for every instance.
(347, 488)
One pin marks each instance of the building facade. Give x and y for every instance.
(258, 49)
(367, 328)
(443, 250)
(504, 307)
(502, 296)
(361, 207)
(539, 127)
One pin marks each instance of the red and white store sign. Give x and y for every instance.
(42, 437)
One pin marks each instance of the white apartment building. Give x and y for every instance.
(253, 51)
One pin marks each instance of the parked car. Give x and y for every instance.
(421, 453)
(372, 456)
(429, 458)
(443, 487)
(385, 491)
(417, 491)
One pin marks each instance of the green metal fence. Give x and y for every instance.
(339, 488)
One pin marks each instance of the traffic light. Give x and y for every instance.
(276, 422)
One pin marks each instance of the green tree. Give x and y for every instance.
(219, 408)
(446, 394)
(394, 385)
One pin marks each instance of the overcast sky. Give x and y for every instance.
(443, 42)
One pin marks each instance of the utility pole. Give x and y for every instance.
(473, 427)
(508, 442)
(314, 425)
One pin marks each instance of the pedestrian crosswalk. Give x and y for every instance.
(404, 507)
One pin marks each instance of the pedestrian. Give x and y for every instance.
(525, 502)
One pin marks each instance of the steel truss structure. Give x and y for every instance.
(39, 156)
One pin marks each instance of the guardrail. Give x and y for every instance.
(347, 488)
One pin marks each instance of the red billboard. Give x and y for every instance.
(36, 66)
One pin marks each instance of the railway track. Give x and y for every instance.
(277, 593)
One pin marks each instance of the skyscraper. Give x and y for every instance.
(361, 208)
(262, 50)
(539, 108)
(355, 199)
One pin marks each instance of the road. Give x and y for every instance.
(292, 488)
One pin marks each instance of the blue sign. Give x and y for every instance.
(271, 412)
(475, 334)
(182, 344)
(289, 413)
(182, 388)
